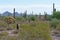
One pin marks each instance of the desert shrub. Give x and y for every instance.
(32, 18)
(58, 26)
(11, 38)
(20, 18)
(49, 17)
(9, 20)
(4, 34)
(13, 26)
(38, 32)
(54, 22)
(56, 15)
(2, 24)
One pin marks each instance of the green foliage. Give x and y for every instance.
(11, 38)
(31, 31)
(32, 18)
(2, 24)
(38, 32)
(20, 18)
(58, 26)
(13, 26)
(56, 14)
(54, 22)
(49, 17)
(3, 34)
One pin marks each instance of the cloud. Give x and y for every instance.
(36, 8)
(34, 5)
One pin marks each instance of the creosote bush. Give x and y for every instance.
(54, 22)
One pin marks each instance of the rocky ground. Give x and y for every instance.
(55, 35)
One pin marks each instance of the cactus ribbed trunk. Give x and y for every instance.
(39, 16)
(45, 15)
(54, 10)
(14, 13)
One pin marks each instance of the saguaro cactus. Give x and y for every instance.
(54, 10)
(39, 16)
(25, 14)
(45, 15)
(14, 13)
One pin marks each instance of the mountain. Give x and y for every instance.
(7, 14)
(16, 14)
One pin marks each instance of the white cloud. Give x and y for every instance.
(36, 8)
(34, 5)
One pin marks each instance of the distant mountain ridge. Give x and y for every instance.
(7, 13)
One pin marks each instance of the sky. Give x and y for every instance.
(37, 6)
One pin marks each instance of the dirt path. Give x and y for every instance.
(56, 37)
(10, 32)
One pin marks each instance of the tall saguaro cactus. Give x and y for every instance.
(54, 10)
(40, 16)
(14, 13)
(45, 15)
(25, 14)
(53, 6)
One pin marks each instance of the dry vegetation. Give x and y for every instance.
(37, 30)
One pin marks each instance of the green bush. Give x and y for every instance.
(20, 18)
(13, 26)
(54, 22)
(32, 18)
(56, 15)
(58, 26)
(2, 24)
